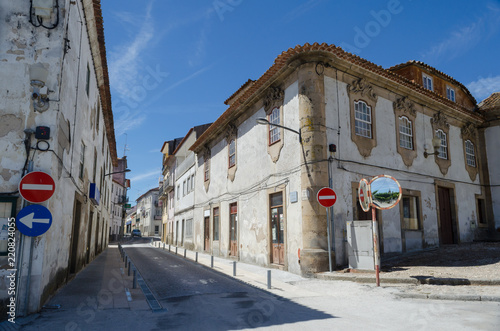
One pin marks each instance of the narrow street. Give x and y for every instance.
(194, 296)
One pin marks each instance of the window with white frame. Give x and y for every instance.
(405, 133)
(427, 80)
(363, 119)
(82, 160)
(274, 131)
(178, 191)
(443, 148)
(188, 189)
(232, 153)
(192, 182)
(470, 154)
(450, 93)
(183, 188)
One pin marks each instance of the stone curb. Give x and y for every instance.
(414, 281)
(453, 297)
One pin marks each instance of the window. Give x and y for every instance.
(87, 84)
(188, 189)
(183, 188)
(216, 223)
(450, 93)
(178, 192)
(411, 217)
(470, 155)
(207, 169)
(443, 149)
(363, 119)
(192, 182)
(274, 131)
(189, 228)
(232, 153)
(157, 229)
(7, 211)
(427, 82)
(82, 160)
(97, 118)
(405, 133)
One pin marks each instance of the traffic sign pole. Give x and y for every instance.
(376, 251)
(328, 235)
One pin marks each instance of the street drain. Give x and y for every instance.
(153, 303)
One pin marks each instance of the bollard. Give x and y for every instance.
(175, 250)
(126, 258)
(234, 268)
(134, 282)
(196, 258)
(184, 253)
(212, 261)
(269, 279)
(169, 247)
(163, 246)
(128, 273)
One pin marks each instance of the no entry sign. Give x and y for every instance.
(326, 197)
(37, 187)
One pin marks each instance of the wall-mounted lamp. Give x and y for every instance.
(117, 172)
(436, 144)
(264, 121)
(38, 78)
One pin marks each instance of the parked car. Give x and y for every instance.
(136, 233)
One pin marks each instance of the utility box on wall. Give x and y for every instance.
(360, 245)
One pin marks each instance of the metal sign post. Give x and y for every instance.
(327, 198)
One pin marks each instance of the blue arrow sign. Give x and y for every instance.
(33, 220)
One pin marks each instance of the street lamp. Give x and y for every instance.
(436, 143)
(117, 172)
(264, 121)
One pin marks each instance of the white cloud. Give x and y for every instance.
(153, 173)
(465, 38)
(125, 61)
(484, 87)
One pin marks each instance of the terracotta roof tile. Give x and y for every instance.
(281, 61)
(491, 102)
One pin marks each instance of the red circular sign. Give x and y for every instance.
(37, 187)
(326, 197)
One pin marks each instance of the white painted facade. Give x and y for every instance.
(492, 135)
(119, 193)
(81, 148)
(319, 99)
(149, 214)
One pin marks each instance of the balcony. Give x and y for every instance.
(185, 165)
(168, 185)
(121, 199)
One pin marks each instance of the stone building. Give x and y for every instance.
(54, 77)
(119, 198)
(345, 119)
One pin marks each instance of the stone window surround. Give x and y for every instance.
(231, 134)
(478, 197)
(269, 116)
(404, 107)
(440, 122)
(411, 193)
(469, 132)
(361, 90)
(274, 98)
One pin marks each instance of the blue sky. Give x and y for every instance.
(172, 64)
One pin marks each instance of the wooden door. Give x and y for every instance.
(277, 229)
(207, 234)
(447, 235)
(233, 229)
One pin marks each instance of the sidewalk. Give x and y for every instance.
(83, 303)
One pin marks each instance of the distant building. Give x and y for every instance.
(148, 218)
(119, 188)
(55, 77)
(178, 187)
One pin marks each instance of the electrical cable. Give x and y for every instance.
(40, 20)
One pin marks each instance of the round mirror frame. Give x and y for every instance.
(371, 196)
(364, 201)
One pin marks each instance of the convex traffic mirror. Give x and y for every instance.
(382, 192)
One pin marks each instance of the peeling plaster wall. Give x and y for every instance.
(384, 159)
(26, 45)
(493, 152)
(251, 188)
